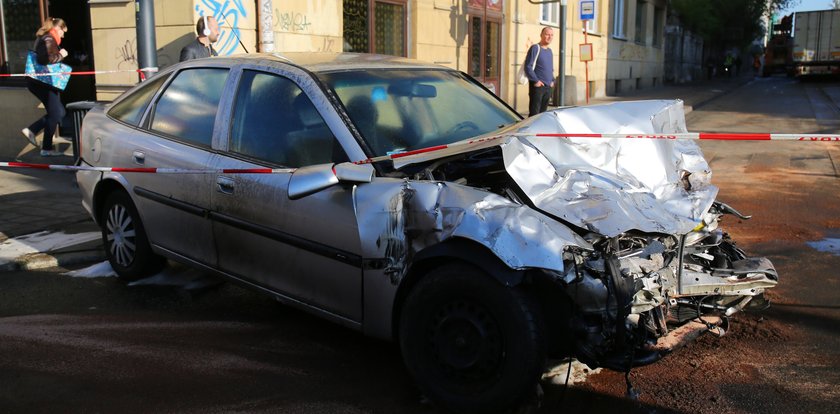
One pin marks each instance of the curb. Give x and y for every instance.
(36, 261)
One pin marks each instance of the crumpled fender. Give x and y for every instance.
(399, 218)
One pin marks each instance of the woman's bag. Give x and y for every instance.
(521, 76)
(56, 75)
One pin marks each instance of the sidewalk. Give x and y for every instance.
(36, 201)
(694, 95)
(42, 208)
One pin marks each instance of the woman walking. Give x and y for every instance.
(47, 51)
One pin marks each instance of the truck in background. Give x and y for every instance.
(816, 42)
(777, 54)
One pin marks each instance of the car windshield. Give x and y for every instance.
(404, 110)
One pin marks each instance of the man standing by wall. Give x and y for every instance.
(539, 67)
(208, 33)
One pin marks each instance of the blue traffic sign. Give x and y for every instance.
(587, 9)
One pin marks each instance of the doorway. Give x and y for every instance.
(79, 45)
(485, 43)
(20, 19)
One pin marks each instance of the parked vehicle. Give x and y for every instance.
(816, 42)
(406, 201)
(778, 56)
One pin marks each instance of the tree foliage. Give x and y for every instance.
(728, 23)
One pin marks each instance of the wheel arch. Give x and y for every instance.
(455, 249)
(100, 194)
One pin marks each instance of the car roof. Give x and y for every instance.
(327, 61)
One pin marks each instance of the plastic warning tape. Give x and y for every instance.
(709, 136)
(394, 156)
(83, 72)
(675, 136)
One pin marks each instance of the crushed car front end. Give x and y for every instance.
(632, 223)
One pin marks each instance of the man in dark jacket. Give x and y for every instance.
(539, 67)
(208, 33)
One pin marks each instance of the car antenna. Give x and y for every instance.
(224, 20)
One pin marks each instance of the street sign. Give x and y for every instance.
(586, 52)
(587, 9)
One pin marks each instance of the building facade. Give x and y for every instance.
(487, 39)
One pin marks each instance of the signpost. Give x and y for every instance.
(585, 52)
(587, 12)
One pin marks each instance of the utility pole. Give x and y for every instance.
(144, 12)
(562, 57)
(266, 28)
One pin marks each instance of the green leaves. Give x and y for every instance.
(728, 22)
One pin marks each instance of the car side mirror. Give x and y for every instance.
(314, 178)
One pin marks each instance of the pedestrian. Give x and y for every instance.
(539, 68)
(727, 64)
(47, 51)
(711, 67)
(208, 33)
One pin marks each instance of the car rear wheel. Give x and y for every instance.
(471, 344)
(124, 237)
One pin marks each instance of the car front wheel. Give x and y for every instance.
(124, 237)
(471, 344)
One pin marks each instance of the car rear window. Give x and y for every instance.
(187, 108)
(130, 110)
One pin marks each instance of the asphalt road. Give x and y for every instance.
(785, 359)
(96, 345)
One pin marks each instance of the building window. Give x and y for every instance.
(640, 22)
(658, 24)
(375, 26)
(619, 18)
(20, 21)
(550, 14)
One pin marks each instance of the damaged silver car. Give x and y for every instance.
(406, 201)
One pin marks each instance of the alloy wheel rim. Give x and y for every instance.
(121, 235)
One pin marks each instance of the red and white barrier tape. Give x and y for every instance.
(687, 135)
(83, 72)
(709, 136)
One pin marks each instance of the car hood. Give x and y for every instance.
(608, 186)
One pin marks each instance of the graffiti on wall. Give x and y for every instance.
(228, 13)
(291, 21)
(127, 55)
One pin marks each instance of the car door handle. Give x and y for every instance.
(224, 185)
(139, 157)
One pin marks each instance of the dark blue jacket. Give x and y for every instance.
(544, 69)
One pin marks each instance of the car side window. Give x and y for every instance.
(187, 108)
(274, 120)
(130, 110)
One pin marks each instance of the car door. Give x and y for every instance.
(307, 249)
(178, 134)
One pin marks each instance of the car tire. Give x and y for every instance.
(124, 237)
(471, 343)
